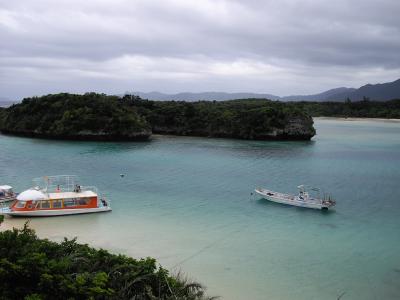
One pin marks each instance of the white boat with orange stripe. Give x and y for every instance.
(57, 196)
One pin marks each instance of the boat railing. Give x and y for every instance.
(89, 188)
(276, 194)
(101, 199)
(61, 183)
(65, 183)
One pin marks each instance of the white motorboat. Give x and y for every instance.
(7, 194)
(303, 199)
(57, 196)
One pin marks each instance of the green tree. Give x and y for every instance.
(33, 268)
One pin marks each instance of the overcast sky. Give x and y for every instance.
(280, 46)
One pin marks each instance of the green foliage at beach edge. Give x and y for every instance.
(33, 268)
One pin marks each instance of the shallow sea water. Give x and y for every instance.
(187, 202)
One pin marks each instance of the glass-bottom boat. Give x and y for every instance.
(57, 196)
(7, 194)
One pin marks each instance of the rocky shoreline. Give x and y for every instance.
(137, 137)
(296, 130)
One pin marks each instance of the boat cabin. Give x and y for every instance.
(6, 193)
(37, 200)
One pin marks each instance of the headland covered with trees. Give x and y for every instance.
(102, 117)
(93, 116)
(33, 269)
(352, 109)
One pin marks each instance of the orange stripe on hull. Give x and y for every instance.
(59, 204)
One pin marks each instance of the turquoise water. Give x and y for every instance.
(186, 201)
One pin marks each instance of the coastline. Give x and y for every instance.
(358, 119)
(239, 247)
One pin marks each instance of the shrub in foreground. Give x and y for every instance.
(33, 268)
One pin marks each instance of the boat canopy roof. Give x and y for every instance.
(67, 195)
(5, 187)
(33, 195)
(37, 195)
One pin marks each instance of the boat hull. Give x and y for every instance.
(55, 212)
(290, 200)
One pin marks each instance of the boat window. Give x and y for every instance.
(2, 194)
(45, 204)
(20, 204)
(57, 203)
(69, 202)
(83, 201)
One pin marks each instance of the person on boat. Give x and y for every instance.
(58, 190)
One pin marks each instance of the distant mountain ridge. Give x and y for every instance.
(324, 96)
(379, 92)
(220, 96)
(5, 102)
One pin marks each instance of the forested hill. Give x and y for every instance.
(69, 116)
(102, 117)
(359, 109)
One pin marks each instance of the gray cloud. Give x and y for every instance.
(280, 47)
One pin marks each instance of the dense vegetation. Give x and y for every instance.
(101, 116)
(246, 119)
(89, 116)
(33, 268)
(348, 109)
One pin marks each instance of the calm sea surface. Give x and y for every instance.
(186, 201)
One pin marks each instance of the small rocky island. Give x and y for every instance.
(95, 116)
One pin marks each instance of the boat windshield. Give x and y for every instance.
(309, 191)
(313, 193)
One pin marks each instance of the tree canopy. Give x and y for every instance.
(91, 115)
(99, 116)
(359, 109)
(33, 268)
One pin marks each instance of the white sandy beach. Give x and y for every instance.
(358, 119)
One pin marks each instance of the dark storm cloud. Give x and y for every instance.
(173, 45)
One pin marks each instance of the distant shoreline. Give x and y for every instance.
(358, 119)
